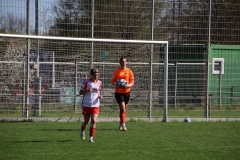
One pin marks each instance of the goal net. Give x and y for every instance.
(46, 74)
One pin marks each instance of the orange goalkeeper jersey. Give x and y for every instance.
(126, 74)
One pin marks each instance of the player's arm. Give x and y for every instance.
(131, 81)
(129, 85)
(99, 95)
(84, 90)
(116, 84)
(114, 79)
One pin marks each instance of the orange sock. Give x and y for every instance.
(124, 116)
(92, 129)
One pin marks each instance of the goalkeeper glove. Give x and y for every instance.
(116, 84)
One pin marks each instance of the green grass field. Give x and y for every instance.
(133, 112)
(142, 141)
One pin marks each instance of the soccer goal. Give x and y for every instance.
(62, 63)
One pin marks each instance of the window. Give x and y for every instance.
(218, 65)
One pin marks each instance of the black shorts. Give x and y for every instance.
(122, 97)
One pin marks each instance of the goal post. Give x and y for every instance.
(106, 55)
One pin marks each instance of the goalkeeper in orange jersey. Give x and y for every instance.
(122, 92)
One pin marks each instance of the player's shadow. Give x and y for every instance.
(40, 141)
(59, 130)
(107, 129)
(76, 130)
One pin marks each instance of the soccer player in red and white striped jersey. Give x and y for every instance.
(91, 102)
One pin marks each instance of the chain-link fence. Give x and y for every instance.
(203, 38)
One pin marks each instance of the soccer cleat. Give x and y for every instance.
(90, 140)
(83, 135)
(124, 128)
(120, 127)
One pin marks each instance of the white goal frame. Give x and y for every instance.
(165, 98)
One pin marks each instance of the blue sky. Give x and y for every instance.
(18, 8)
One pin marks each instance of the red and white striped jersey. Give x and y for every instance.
(90, 99)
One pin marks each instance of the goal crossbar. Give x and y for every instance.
(81, 39)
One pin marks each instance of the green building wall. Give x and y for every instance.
(226, 85)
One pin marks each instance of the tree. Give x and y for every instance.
(113, 19)
(12, 52)
(11, 72)
(186, 22)
(12, 25)
(225, 26)
(123, 19)
(67, 16)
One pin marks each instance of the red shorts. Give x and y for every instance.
(87, 111)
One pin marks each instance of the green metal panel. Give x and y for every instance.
(186, 53)
(225, 88)
(190, 78)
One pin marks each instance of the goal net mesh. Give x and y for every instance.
(63, 65)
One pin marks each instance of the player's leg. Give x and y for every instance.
(122, 113)
(126, 100)
(121, 104)
(84, 124)
(94, 116)
(86, 114)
